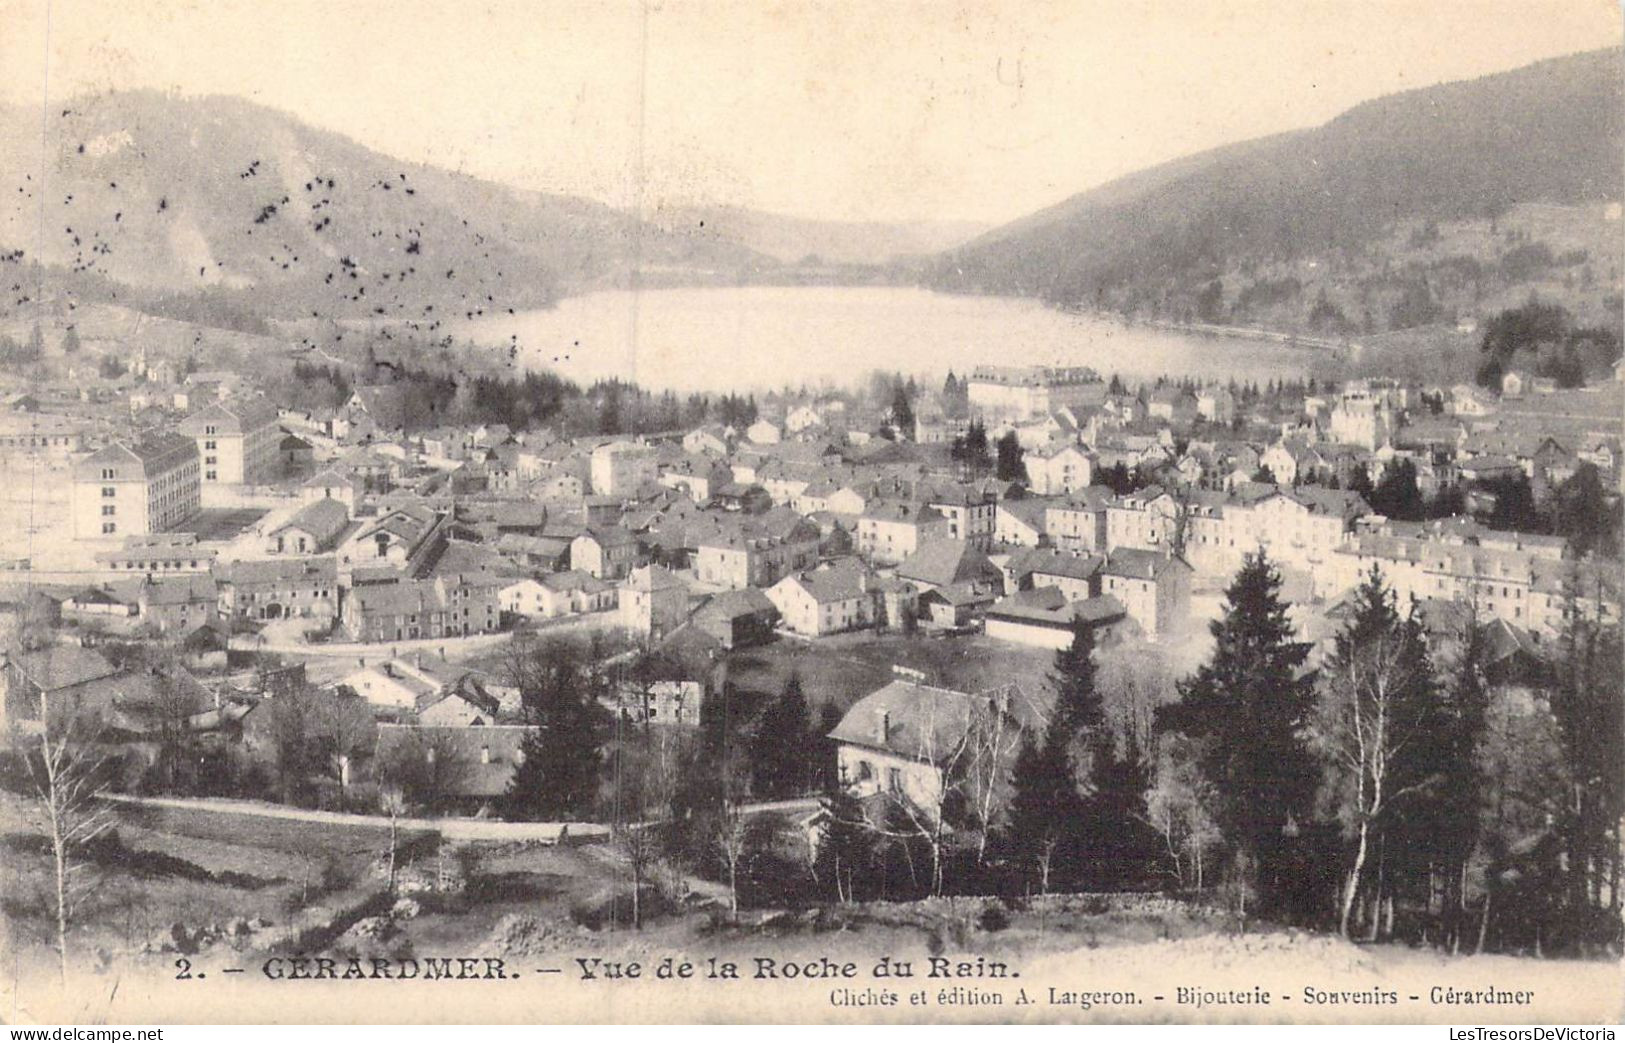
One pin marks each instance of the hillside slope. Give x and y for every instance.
(794, 239)
(1456, 154)
(186, 194)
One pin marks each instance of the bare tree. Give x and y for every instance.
(1180, 806)
(732, 841)
(640, 847)
(964, 744)
(287, 724)
(346, 722)
(1364, 730)
(177, 696)
(69, 778)
(427, 765)
(993, 740)
(392, 799)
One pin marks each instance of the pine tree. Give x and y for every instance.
(1378, 724)
(976, 448)
(1041, 837)
(1360, 482)
(561, 763)
(1587, 700)
(902, 410)
(1120, 847)
(780, 765)
(1253, 698)
(1397, 495)
(1456, 823)
(1078, 705)
(845, 846)
(825, 767)
(1010, 467)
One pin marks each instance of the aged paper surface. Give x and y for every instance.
(810, 512)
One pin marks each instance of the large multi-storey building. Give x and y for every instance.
(1022, 392)
(620, 468)
(757, 552)
(302, 588)
(1078, 522)
(129, 489)
(39, 434)
(237, 440)
(453, 605)
(1296, 527)
(1146, 519)
(889, 531)
(1521, 585)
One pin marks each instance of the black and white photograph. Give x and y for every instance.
(812, 512)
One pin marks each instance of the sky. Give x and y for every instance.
(873, 110)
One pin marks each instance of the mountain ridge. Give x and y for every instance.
(216, 193)
(1152, 241)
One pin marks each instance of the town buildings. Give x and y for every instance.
(1021, 392)
(304, 588)
(621, 468)
(454, 605)
(890, 530)
(135, 488)
(238, 440)
(826, 600)
(652, 602)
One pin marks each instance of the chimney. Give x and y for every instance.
(882, 725)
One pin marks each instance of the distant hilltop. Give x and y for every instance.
(1403, 212)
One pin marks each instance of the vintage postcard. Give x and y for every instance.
(811, 511)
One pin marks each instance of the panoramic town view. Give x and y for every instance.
(400, 568)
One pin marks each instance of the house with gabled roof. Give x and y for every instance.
(1154, 588)
(738, 618)
(178, 604)
(452, 605)
(902, 742)
(331, 484)
(1044, 617)
(831, 598)
(278, 589)
(891, 530)
(1058, 468)
(605, 551)
(237, 439)
(716, 439)
(756, 550)
(476, 762)
(58, 682)
(1021, 523)
(1075, 573)
(652, 602)
(947, 563)
(316, 528)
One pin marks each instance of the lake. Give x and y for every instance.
(760, 337)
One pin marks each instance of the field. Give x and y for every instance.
(34, 514)
(237, 885)
(161, 867)
(841, 669)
